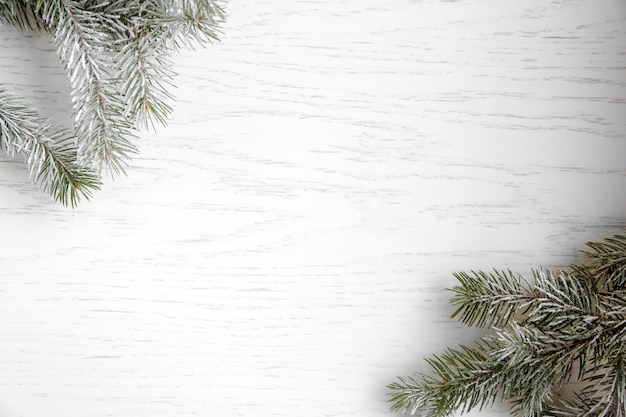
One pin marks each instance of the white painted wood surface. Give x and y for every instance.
(283, 246)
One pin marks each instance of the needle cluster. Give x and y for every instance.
(560, 329)
(118, 58)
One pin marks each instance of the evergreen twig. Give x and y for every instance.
(117, 55)
(565, 326)
(49, 152)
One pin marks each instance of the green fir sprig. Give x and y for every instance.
(118, 58)
(49, 152)
(559, 328)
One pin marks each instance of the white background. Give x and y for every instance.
(283, 246)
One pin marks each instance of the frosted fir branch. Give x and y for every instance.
(545, 359)
(187, 23)
(103, 134)
(146, 80)
(498, 367)
(117, 54)
(487, 299)
(50, 154)
(561, 300)
(144, 68)
(608, 265)
(156, 31)
(554, 299)
(563, 326)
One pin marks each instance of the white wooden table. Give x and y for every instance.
(282, 248)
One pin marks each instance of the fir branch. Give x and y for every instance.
(566, 325)
(117, 54)
(546, 359)
(50, 154)
(158, 29)
(144, 65)
(468, 376)
(191, 22)
(560, 299)
(493, 299)
(103, 133)
(488, 299)
(145, 76)
(497, 367)
(608, 264)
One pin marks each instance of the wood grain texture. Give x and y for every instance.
(283, 246)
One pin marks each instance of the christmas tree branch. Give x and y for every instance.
(468, 375)
(489, 299)
(494, 299)
(609, 262)
(50, 154)
(144, 69)
(500, 366)
(103, 132)
(117, 54)
(561, 299)
(145, 75)
(562, 326)
(190, 22)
